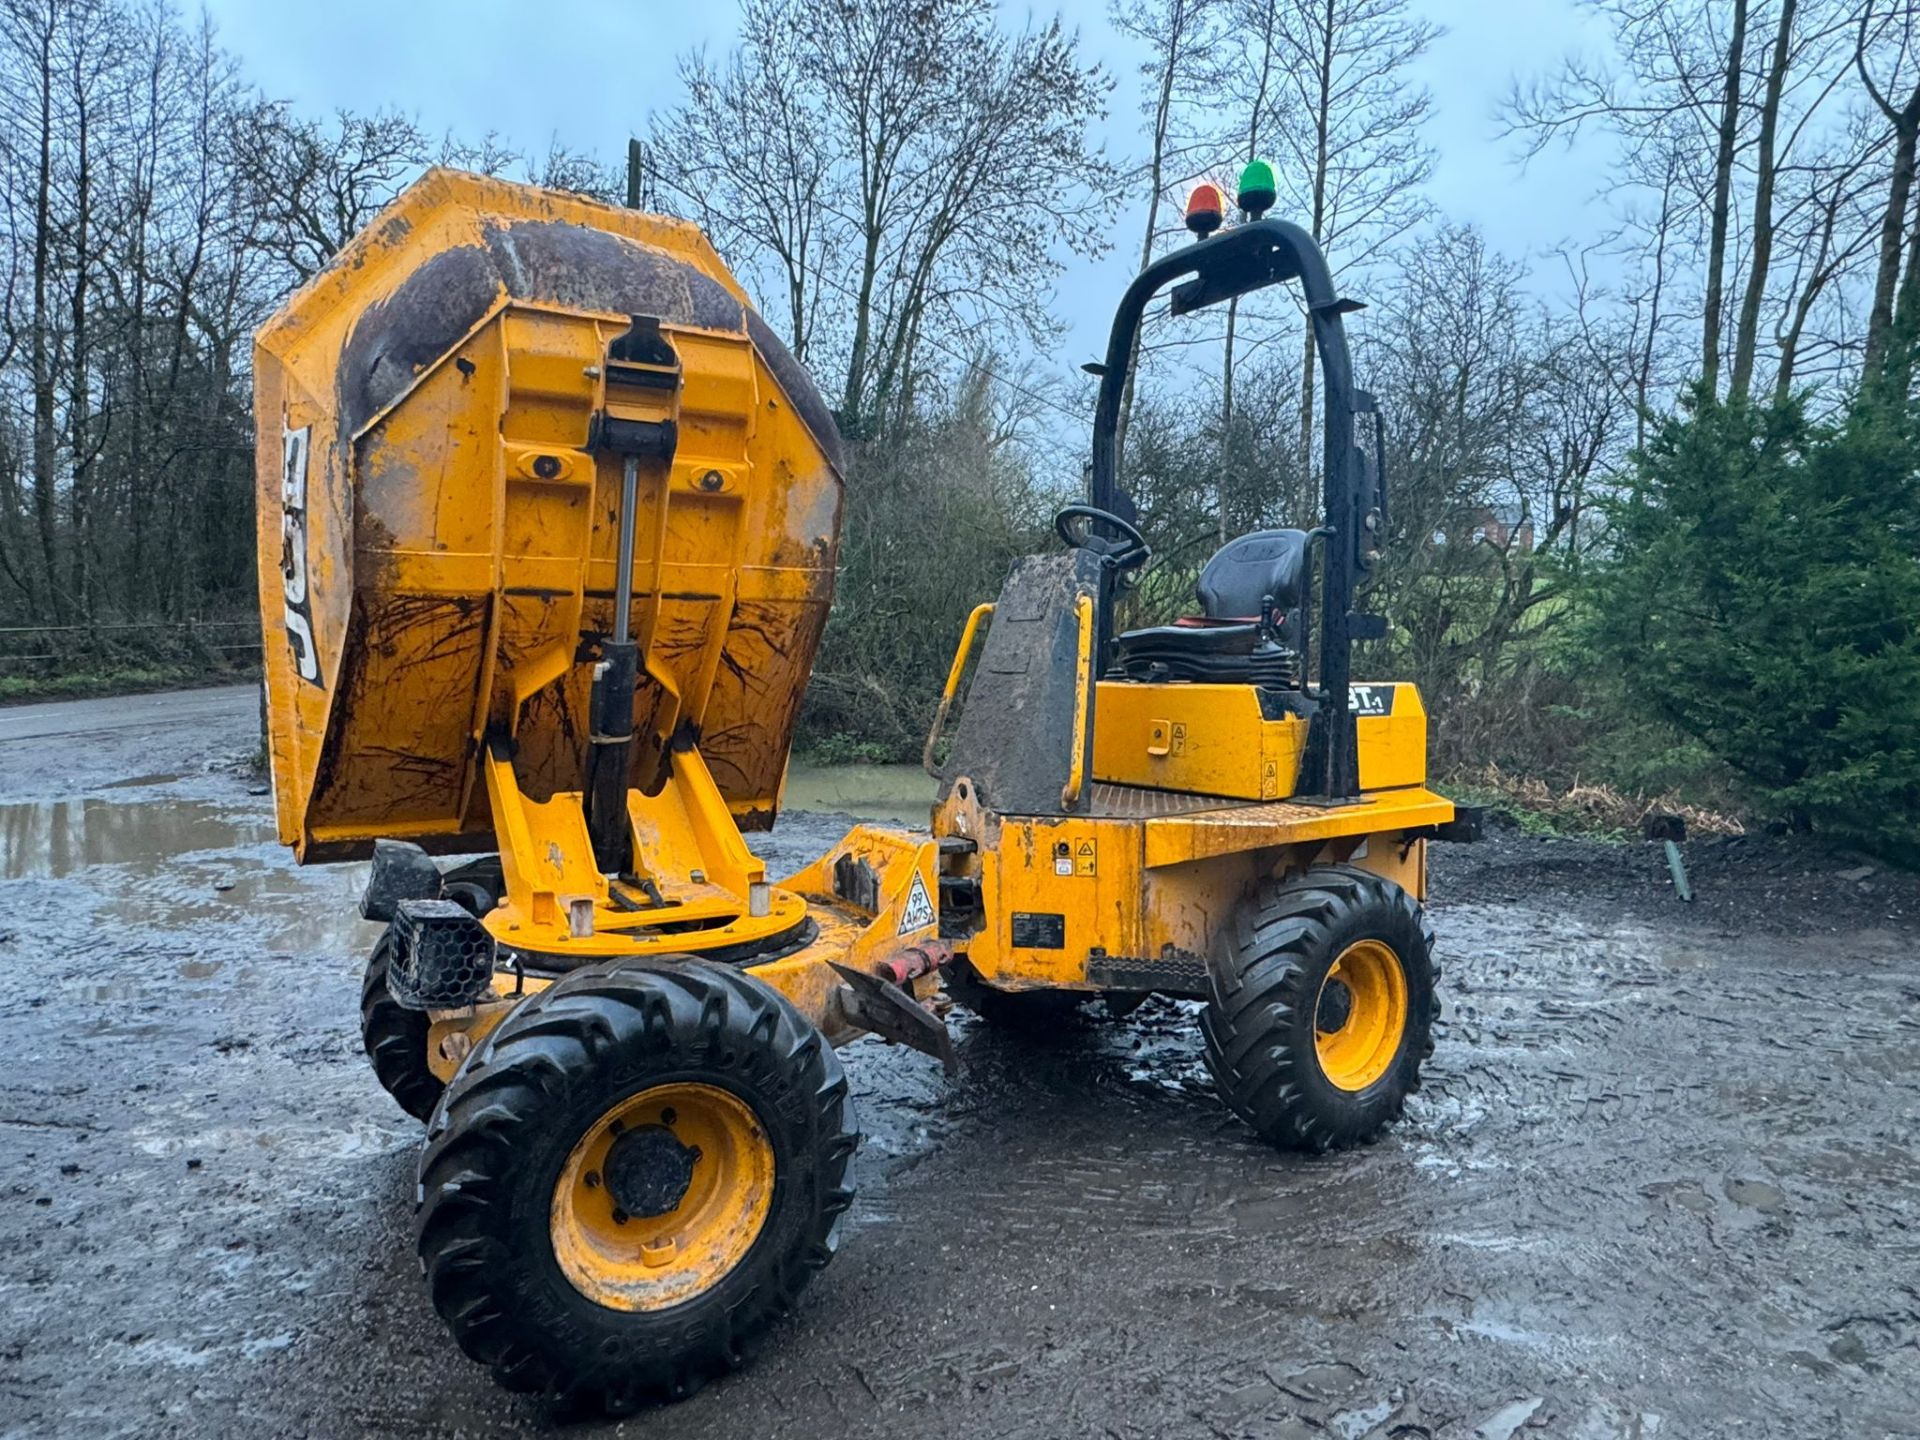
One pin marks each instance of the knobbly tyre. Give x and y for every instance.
(548, 521)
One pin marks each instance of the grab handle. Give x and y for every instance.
(1071, 792)
(960, 657)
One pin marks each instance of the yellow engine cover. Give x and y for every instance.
(1217, 740)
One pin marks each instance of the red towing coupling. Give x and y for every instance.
(916, 960)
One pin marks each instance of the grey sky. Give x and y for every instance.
(588, 72)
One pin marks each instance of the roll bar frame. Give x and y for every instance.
(1248, 257)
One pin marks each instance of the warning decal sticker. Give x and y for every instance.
(918, 914)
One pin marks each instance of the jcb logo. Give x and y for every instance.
(293, 552)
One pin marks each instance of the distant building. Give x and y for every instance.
(1504, 527)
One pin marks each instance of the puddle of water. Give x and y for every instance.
(49, 839)
(1352, 1424)
(1755, 1194)
(252, 1350)
(140, 782)
(181, 864)
(304, 912)
(361, 1140)
(898, 794)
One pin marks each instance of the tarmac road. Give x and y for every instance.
(1661, 1181)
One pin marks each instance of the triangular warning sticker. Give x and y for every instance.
(918, 914)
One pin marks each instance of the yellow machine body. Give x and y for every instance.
(438, 540)
(1215, 740)
(863, 933)
(1180, 817)
(1122, 901)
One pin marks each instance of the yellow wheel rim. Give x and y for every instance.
(1361, 1015)
(662, 1197)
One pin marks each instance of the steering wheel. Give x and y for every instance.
(1129, 552)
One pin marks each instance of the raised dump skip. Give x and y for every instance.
(438, 519)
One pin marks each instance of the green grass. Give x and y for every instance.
(828, 750)
(120, 680)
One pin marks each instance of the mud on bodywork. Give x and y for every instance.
(549, 262)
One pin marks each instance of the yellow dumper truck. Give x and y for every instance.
(547, 525)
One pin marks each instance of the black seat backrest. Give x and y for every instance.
(1015, 735)
(1246, 571)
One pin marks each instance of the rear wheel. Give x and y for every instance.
(1321, 1008)
(631, 1179)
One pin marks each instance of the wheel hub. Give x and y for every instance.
(1361, 1015)
(662, 1196)
(648, 1171)
(1336, 1006)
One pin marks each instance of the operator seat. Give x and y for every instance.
(1252, 601)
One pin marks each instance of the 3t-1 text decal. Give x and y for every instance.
(293, 552)
(1370, 699)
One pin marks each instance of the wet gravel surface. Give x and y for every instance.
(1661, 1181)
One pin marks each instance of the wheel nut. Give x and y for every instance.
(668, 1116)
(619, 1216)
(614, 1127)
(593, 1179)
(694, 1152)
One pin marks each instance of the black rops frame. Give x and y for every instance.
(1250, 257)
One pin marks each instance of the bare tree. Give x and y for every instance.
(1504, 423)
(32, 35)
(930, 168)
(316, 185)
(1726, 148)
(1669, 97)
(1833, 235)
(153, 210)
(1181, 37)
(973, 164)
(1349, 136)
(1807, 63)
(1733, 113)
(746, 154)
(1261, 22)
(1890, 40)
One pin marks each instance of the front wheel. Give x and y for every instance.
(631, 1179)
(395, 1038)
(1321, 1007)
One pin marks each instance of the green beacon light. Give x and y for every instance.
(1257, 190)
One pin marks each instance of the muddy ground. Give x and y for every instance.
(1661, 1182)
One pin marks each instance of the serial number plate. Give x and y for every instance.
(1039, 931)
